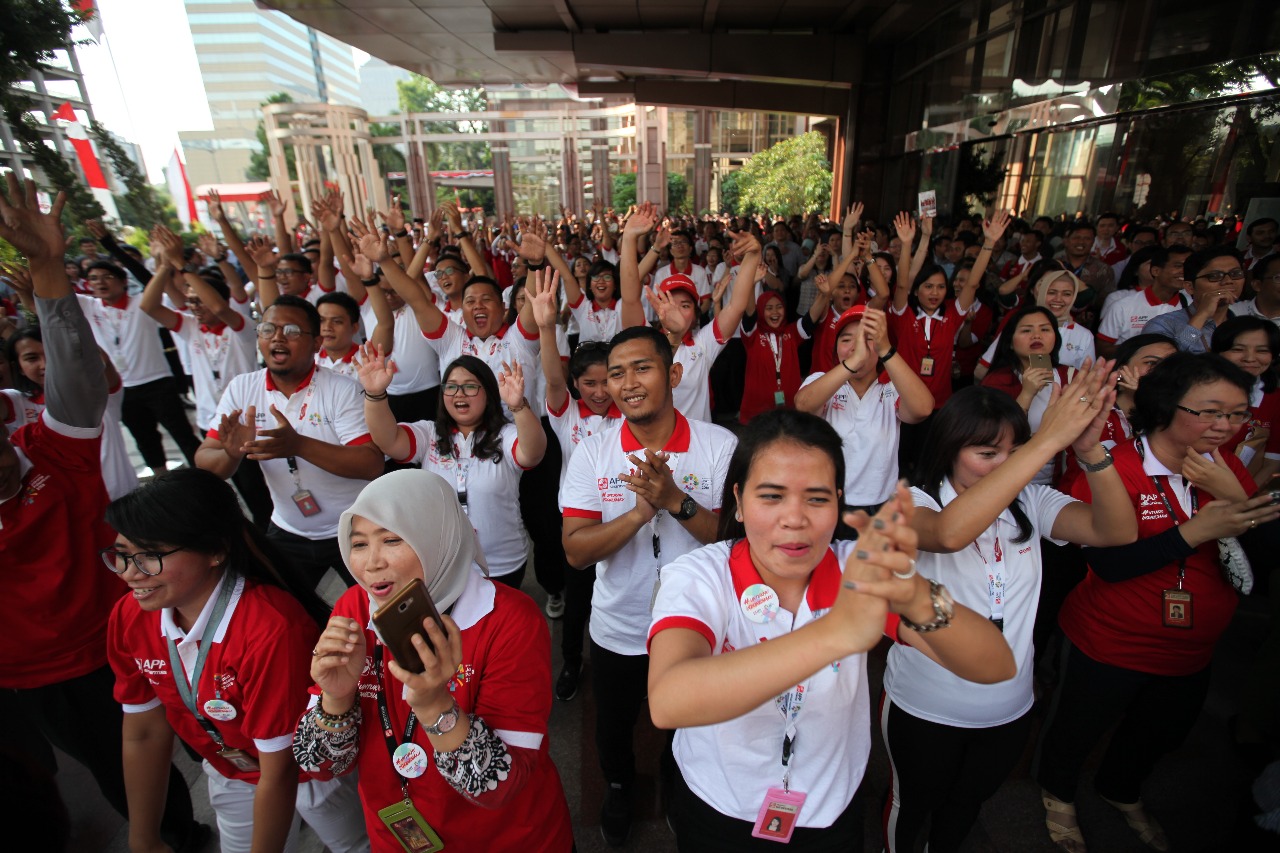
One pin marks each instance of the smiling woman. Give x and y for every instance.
(459, 751)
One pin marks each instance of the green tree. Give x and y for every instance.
(139, 205)
(677, 192)
(389, 159)
(418, 94)
(731, 194)
(260, 160)
(791, 177)
(624, 190)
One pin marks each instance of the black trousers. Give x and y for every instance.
(619, 684)
(699, 828)
(306, 560)
(512, 579)
(579, 586)
(80, 717)
(1155, 713)
(157, 402)
(253, 489)
(910, 445)
(540, 511)
(942, 775)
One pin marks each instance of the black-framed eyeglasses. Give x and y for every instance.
(292, 331)
(150, 563)
(466, 389)
(1215, 276)
(1209, 416)
(289, 271)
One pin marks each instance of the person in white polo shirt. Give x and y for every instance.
(952, 743)
(572, 421)
(305, 425)
(675, 303)
(866, 396)
(1126, 316)
(634, 499)
(772, 738)
(131, 340)
(471, 444)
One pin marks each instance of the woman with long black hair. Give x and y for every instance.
(979, 516)
(211, 646)
(471, 444)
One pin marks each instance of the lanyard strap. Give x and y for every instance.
(775, 345)
(187, 690)
(384, 716)
(462, 468)
(789, 705)
(995, 576)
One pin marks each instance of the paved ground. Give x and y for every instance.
(1198, 792)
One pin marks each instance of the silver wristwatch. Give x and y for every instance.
(1095, 467)
(944, 607)
(445, 722)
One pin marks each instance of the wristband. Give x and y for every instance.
(461, 234)
(264, 275)
(403, 232)
(852, 372)
(890, 354)
(371, 282)
(336, 718)
(375, 397)
(524, 404)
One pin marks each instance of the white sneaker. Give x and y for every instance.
(555, 606)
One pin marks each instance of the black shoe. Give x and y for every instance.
(567, 683)
(615, 816)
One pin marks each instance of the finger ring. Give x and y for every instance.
(905, 576)
(1253, 522)
(315, 653)
(1084, 399)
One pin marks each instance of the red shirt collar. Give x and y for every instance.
(271, 383)
(213, 328)
(1147, 291)
(346, 359)
(824, 583)
(500, 334)
(122, 303)
(613, 303)
(677, 443)
(585, 411)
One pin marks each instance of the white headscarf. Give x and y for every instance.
(423, 510)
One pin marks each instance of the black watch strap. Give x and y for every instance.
(688, 509)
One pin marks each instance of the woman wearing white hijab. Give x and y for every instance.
(466, 758)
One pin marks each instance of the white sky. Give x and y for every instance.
(153, 89)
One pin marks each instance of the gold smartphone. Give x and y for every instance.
(401, 617)
(1039, 359)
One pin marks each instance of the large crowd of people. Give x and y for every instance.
(1038, 459)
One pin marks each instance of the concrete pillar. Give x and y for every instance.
(570, 174)
(701, 161)
(601, 180)
(504, 198)
(651, 155)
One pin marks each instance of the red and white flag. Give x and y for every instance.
(84, 148)
(176, 176)
(90, 17)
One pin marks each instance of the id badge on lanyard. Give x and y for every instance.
(410, 761)
(780, 811)
(779, 396)
(995, 579)
(1176, 604)
(926, 363)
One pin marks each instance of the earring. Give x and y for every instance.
(737, 514)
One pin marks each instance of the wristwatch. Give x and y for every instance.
(445, 722)
(688, 509)
(944, 607)
(1095, 467)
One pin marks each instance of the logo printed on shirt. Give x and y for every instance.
(690, 482)
(154, 669)
(38, 482)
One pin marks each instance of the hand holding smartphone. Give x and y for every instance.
(1040, 360)
(401, 617)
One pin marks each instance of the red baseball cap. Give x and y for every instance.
(854, 313)
(679, 281)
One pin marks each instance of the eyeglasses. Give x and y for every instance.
(1274, 278)
(1216, 276)
(467, 389)
(150, 563)
(292, 331)
(1209, 416)
(605, 277)
(448, 270)
(288, 271)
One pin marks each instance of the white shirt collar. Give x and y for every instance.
(170, 630)
(475, 603)
(1154, 467)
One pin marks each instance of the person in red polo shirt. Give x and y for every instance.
(51, 487)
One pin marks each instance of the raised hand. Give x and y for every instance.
(96, 228)
(744, 244)
(371, 245)
(875, 330)
(543, 294)
(993, 229)
(454, 216)
(441, 654)
(395, 215)
(214, 206)
(37, 235)
(854, 217)
(263, 252)
(376, 371)
(662, 239)
(170, 245)
(862, 245)
(324, 216)
(824, 284)
(360, 265)
(905, 227)
(662, 306)
(533, 247)
(275, 204)
(1073, 409)
(511, 384)
(208, 245)
(641, 221)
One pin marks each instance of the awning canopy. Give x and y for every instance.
(253, 191)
